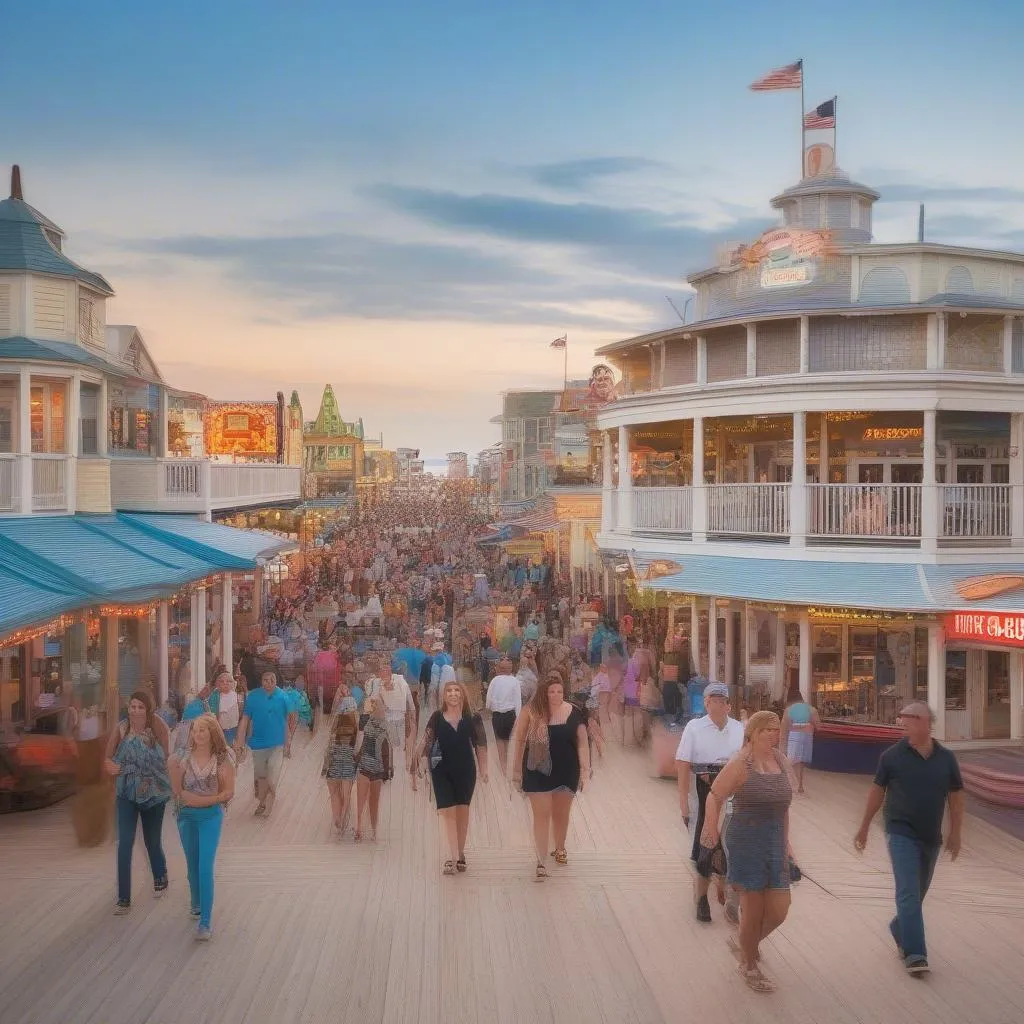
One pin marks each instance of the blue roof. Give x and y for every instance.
(24, 246)
(881, 586)
(203, 539)
(22, 348)
(55, 564)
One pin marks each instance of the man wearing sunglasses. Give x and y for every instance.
(915, 780)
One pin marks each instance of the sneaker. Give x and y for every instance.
(123, 906)
(703, 910)
(159, 887)
(916, 965)
(203, 934)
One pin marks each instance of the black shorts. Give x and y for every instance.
(503, 722)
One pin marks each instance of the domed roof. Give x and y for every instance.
(29, 241)
(836, 183)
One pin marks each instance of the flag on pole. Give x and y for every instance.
(822, 116)
(560, 342)
(789, 77)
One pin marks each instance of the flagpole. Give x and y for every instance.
(835, 132)
(803, 131)
(565, 375)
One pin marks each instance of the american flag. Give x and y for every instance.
(822, 116)
(789, 77)
(560, 342)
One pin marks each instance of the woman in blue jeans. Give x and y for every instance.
(137, 760)
(203, 781)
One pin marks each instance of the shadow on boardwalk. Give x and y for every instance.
(311, 929)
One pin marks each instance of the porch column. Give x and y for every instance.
(752, 350)
(607, 491)
(1017, 479)
(112, 695)
(937, 678)
(163, 615)
(25, 442)
(72, 442)
(805, 657)
(929, 488)
(780, 687)
(730, 645)
(103, 424)
(713, 640)
(805, 344)
(259, 593)
(1016, 694)
(932, 350)
(197, 635)
(625, 523)
(798, 488)
(940, 341)
(695, 635)
(702, 359)
(1008, 345)
(699, 507)
(227, 637)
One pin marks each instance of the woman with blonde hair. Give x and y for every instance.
(758, 781)
(456, 743)
(340, 764)
(374, 765)
(551, 759)
(203, 781)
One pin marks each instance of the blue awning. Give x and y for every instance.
(879, 586)
(55, 564)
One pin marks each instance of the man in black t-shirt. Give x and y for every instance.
(915, 780)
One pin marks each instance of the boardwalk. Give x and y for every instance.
(309, 929)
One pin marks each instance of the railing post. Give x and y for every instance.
(929, 488)
(24, 467)
(206, 488)
(699, 512)
(798, 487)
(625, 524)
(1017, 479)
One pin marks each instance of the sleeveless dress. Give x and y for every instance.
(342, 762)
(756, 839)
(372, 754)
(143, 778)
(454, 775)
(565, 759)
(800, 742)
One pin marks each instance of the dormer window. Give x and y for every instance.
(53, 238)
(86, 320)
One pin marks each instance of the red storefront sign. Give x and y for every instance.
(1005, 629)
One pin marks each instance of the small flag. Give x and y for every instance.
(560, 342)
(789, 77)
(822, 116)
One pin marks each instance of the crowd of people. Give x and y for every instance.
(388, 638)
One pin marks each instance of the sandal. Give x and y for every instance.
(561, 857)
(460, 864)
(449, 868)
(542, 873)
(756, 981)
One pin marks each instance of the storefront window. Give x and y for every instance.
(185, 428)
(46, 417)
(12, 686)
(88, 439)
(133, 420)
(136, 655)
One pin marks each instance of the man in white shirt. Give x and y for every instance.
(505, 702)
(706, 746)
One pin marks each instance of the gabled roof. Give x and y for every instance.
(124, 336)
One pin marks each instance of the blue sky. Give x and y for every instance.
(411, 200)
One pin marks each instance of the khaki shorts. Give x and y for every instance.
(266, 764)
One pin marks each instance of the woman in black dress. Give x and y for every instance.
(456, 744)
(551, 758)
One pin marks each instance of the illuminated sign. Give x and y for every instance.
(1000, 628)
(241, 428)
(780, 244)
(893, 434)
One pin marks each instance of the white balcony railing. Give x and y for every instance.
(232, 485)
(667, 509)
(198, 485)
(10, 483)
(49, 483)
(865, 510)
(748, 509)
(975, 511)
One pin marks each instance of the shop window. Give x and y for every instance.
(133, 426)
(46, 417)
(66, 681)
(8, 419)
(89, 421)
(956, 680)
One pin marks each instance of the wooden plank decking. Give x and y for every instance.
(309, 929)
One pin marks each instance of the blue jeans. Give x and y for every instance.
(199, 828)
(913, 864)
(128, 815)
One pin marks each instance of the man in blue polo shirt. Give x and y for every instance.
(915, 780)
(265, 724)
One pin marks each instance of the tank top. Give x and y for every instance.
(800, 714)
(143, 778)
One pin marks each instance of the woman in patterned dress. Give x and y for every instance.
(758, 780)
(374, 765)
(340, 762)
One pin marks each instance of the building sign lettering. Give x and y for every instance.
(893, 434)
(786, 277)
(1003, 628)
